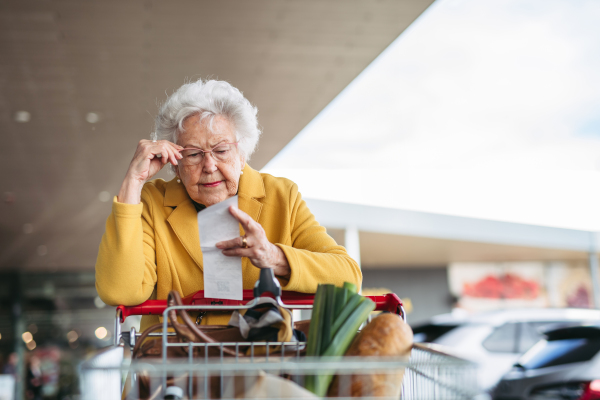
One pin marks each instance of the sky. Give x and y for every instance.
(481, 108)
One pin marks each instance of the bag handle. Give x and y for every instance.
(143, 336)
(189, 330)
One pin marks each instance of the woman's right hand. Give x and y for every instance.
(145, 164)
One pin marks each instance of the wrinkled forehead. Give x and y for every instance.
(210, 130)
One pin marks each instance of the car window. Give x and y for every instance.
(530, 334)
(430, 332)
(559, 352)
(503, 339)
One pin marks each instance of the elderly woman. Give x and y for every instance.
(207, 132)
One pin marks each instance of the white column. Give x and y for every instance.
(593, 263)
(352, 242)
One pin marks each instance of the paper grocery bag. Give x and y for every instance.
(264, 386)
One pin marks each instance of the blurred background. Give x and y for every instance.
(452, 146)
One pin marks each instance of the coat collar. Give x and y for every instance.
(183, 219)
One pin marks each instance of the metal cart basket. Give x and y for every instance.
(429, 373)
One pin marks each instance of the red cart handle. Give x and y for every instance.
(388, 302)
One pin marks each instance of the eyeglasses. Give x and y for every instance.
(221, 152)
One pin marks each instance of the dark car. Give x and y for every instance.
(565, 365)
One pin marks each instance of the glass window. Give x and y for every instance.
(503, 339)
(530, 334)
(430, 332)
(559, 352)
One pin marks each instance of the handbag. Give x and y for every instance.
(149, 349)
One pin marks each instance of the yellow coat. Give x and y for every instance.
(154, 246)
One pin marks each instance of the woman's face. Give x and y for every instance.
(211, 181)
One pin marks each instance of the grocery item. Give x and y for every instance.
(263, 386)
(386, 335)
(337, 315)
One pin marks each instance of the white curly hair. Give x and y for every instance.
(209, 99)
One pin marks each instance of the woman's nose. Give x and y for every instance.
(210, 164)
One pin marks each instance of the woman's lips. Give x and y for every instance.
(211, 184)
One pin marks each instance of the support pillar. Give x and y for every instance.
(593, 263)
(352, 242)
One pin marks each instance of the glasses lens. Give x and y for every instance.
(222, 152)
(192, 157)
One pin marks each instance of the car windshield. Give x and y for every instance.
(548, 353)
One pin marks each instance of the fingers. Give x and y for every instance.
(259, 254)
(173, 152)
(230, 244)
(254, 232)
(165, 150)
(167, 155)
(244, 219)
(259, 248)
(146, 162)
(175, 155)
(240, 252)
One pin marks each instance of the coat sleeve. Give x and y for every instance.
(314, 256)
(126, 263)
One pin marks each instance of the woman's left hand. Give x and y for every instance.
(261, 252)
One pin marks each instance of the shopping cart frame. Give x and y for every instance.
(425, 371)
(266, 286)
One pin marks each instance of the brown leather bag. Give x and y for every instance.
(148, 348)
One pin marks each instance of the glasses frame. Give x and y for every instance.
(206, 151)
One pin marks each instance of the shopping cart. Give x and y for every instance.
(430, 373)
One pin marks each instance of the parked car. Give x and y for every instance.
(496, 339)
(563, 365)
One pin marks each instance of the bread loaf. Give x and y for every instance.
(387, 335)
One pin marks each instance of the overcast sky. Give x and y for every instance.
(482, 108)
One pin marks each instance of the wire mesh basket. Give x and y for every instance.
(268, 370)
(428, 374)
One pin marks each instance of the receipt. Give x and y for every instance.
(222, 274)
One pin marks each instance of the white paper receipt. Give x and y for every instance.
(222, 274)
